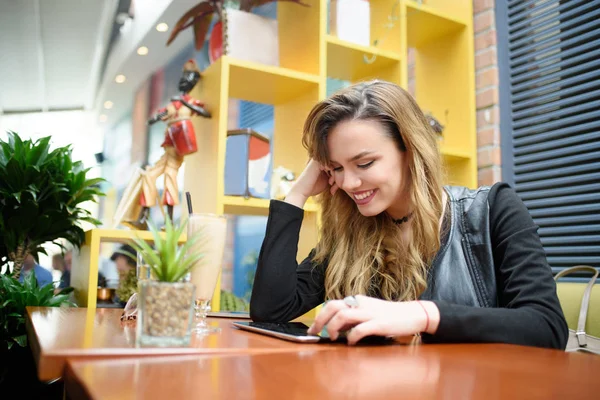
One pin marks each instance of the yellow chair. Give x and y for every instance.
(571, 295)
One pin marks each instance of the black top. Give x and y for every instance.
(529, 312)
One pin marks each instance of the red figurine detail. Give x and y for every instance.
(180, 140)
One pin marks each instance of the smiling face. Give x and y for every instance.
(369, 167)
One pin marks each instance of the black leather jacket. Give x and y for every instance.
(463, 271)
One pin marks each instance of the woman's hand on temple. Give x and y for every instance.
(314, 179)
(376, 317)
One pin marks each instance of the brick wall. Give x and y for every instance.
(486, 89)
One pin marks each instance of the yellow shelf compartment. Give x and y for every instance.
(292, 94)
(426, 23)
(459, 171)
(239, 205)
(458, 166)
(84, 271)
(123, 235)
(265, 83)
(388, 37)
(455, 154)
(289, 118)
(445, 80)
(299, 30)
(346, 60)
(459, 10)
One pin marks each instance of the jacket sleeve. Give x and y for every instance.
(529, 312)
(284, 290)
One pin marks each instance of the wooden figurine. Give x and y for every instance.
(180, 140)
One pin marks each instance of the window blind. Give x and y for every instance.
(549, 66)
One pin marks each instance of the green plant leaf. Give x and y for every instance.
(15, 297)
(41, 190)
(158, 242)
(30, 283)
(168, 260)
(148, 253)
(187, 265)
(190, 244)
(57, 300)
(5, 154)
(66, 290)
(170, 249)
(37, 155)
(14, 140)
(7, 302)
(21, 340)
(92, 182)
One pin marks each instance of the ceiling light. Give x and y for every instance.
(108, 104)
(120, 78)
(142, 51)
(102, 118)
(162, 27)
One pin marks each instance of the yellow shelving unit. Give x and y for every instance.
(427, 23)
(345, 60)
(441, 33)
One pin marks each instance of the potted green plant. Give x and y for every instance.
(16, 364)
(15, 296)
(42, 194)
(166, 302)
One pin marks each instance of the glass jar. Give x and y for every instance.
(165, 313)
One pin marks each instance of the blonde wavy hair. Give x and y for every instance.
(368, 255)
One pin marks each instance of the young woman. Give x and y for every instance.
(406, 254)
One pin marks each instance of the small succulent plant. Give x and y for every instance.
(168, 260)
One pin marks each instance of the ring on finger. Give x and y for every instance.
(351, 301)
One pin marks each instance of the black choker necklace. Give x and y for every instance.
(402, 220)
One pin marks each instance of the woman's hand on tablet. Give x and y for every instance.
(362, 316)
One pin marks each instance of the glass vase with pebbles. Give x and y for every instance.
(165, 304)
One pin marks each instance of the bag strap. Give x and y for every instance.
(585, 302)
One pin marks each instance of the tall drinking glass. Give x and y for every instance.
(142, 268)
(205, 273)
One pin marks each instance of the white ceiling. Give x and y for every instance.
(123, 59)
(52, 52)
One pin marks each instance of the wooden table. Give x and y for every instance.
(476, 371)
(56, 334)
